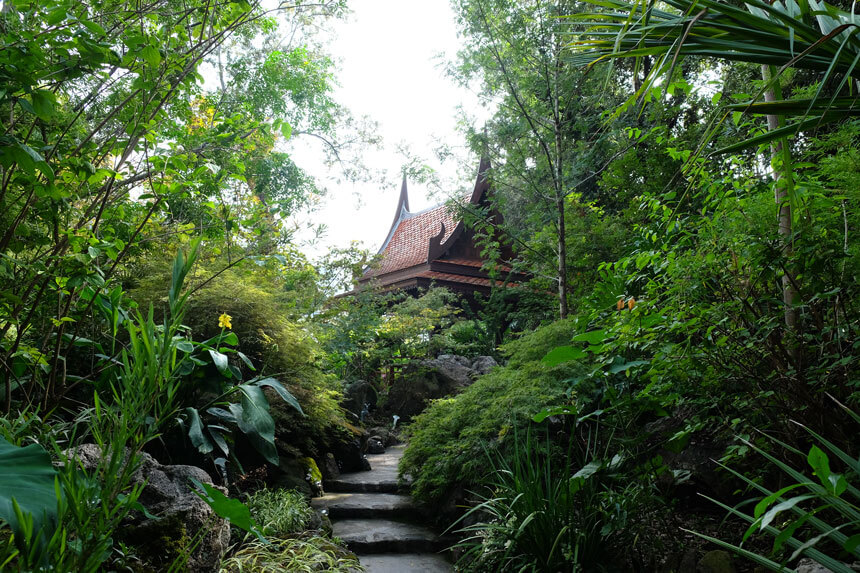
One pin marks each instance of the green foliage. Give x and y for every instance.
(813, 36)
(447, 441)
(29, 500)
(538, 517)
(815, 517)
(138, 402)
(369, 331)
(233, 510)
(300, 554)
(282, 512)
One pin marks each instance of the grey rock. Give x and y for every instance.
(169, 496)
(348, 456)
(382, 535)
(807, 565)
(400, 562)
(384, 434)
(329, 468)
(383, 477)
(716, 561)
(427, 380)
(483, 364)
(361, 505)
(455, 371)
(461, 360)
(292, 475)
(375, 445)
(357, 394)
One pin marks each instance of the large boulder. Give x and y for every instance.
(483, 364)
(357, 394)
(430, 379)
(180, 513)
(454, 371)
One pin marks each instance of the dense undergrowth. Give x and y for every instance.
(685, 349)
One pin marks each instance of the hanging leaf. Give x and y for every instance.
(233, 510)
(195, 432)
(282, 392)
(221, 363)
(27, 476)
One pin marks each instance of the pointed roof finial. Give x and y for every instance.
(403, 202)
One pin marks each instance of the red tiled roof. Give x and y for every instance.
(463, 262)
(478, 281)
(408, 243)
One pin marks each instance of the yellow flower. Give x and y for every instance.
(224, 321)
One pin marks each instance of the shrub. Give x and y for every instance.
(298, 554)
(447, 441)
(818, 517)
(280, 512)
(540, 518)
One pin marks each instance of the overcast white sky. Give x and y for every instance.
(389, 69)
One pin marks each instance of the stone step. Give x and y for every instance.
(381, 478)
(386, 536)
(358, 505)
(361, 482)
(405, 563)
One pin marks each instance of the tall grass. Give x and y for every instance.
(816, 517)
(546, 511)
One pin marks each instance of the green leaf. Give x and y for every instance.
(624, 366)
(93, 27)
(285, 395)
(195, 432)
(56, 16)
(27, 476)
(233, 510)
(253, 418)
(780, 507)
(557, 411)
(821, 465)
(185, 346)
(593, 337)
(562, 354)
(230, 338)
(286, 130)
(151, 55)
(221, 363)
(43, 104)
(246, 360)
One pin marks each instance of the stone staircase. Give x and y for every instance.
(382, 526)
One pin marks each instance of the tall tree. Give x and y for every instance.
(110, 138)
(546, 129)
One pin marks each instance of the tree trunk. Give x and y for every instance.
(782, 173)
(560, 194)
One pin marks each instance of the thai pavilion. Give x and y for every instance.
(434, 247)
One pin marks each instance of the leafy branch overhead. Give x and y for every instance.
(809, 35)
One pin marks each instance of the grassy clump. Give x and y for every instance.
(281, 512)
(447, 441)
(298, 554)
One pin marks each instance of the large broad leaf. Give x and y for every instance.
(254, 420)
(233, 510)
(282, 392)
(220, 361)
(27, 476)
(562, 354)
(195, 431)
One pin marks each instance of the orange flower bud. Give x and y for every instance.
(620, 305)
(631, 303)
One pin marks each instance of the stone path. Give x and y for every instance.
(380, 525)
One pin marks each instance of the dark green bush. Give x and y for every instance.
(447, 441)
